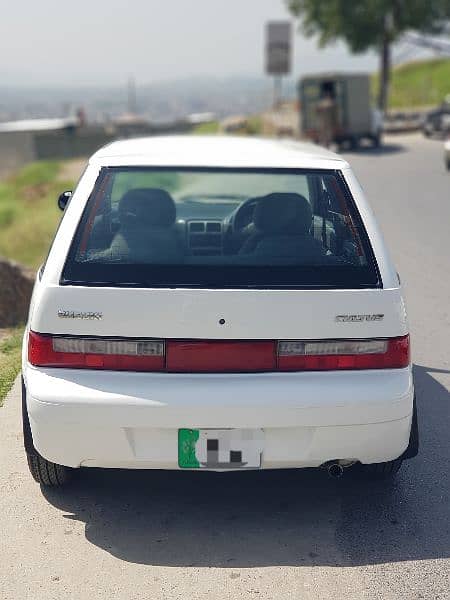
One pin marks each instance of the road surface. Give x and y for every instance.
(136, 535)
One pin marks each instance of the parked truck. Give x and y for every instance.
(336, 108)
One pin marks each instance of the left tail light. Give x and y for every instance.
(96, 353)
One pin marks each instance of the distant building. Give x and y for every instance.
(32, 125)
(200, 118)
(130, 125)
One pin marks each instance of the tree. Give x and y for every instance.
(370, 24)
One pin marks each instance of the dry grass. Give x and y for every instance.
(10, 358)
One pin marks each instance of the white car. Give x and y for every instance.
(217, 304)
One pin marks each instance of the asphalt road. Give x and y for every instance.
(281, 535)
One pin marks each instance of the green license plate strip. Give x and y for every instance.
(220, 448)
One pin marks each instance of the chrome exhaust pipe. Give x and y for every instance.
(335, 470)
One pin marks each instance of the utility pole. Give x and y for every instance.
(277, 90)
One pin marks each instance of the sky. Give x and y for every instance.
(103, 42)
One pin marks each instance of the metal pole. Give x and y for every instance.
(277, 86)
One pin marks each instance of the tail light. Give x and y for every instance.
(216, 356)
(329, 355)
(96, 353)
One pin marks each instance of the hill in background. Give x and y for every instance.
(419, 83)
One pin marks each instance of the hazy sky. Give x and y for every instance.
(103, 41)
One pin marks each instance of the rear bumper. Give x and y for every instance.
(131, 420)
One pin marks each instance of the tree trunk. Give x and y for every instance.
(385, 68)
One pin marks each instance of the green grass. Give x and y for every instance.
(10, 358)
(207, 128)
(29, 213)
(254, 125)
(28, 218)
(419, 83)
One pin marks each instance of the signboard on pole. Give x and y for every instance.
(278, 47)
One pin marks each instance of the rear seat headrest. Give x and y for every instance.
(283, 213)
(147, 207)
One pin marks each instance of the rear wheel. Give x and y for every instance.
(43, 471)
(46, 472)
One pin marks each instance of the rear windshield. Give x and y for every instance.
(155, 227)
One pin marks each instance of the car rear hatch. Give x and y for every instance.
(211, 270)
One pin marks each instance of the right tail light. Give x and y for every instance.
(330, 355)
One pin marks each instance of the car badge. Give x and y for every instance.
(358, 318)
(80, 314)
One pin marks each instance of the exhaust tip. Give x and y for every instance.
(335, 470)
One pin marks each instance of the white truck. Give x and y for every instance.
(351, 118)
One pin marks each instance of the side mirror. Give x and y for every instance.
(63, 199)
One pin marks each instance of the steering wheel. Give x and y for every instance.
(242, 221)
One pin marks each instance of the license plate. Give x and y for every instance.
(220, 448)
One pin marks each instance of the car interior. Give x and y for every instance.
(147, 225)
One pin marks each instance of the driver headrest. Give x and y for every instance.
(283, 213)
(146, 207)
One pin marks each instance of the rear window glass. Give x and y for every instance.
(156, 227)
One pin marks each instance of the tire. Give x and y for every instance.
(376, 140)
(48, 473)
(413, 445)
(43, 471)
(448, 164)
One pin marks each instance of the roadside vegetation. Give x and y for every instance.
(371, 25)
(419, 83)
(251, 125)
(254, 125)
(207, 128)
(28, 218)
(10, 353)
(29, 213)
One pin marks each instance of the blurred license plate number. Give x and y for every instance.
(220, 448)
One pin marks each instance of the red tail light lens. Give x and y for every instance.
(221, 356)
(216, 356)
(329, 355)
(95, 353)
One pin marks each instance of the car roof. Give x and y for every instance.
(216, 151)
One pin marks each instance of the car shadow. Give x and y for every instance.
(270, 518)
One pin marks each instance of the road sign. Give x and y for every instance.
(278, 47)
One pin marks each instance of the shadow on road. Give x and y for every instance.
(274, 518)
